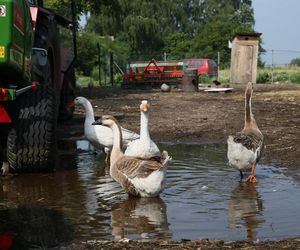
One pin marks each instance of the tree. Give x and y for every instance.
(182, 28)
(178, 45)
(87, 52)
(222, 20)
(295, 61)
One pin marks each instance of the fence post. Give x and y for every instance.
(218, 78)
(272, 79)
(99, 63)
(111, 68)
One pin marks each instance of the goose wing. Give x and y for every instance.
(138, 148)
(129, 135)
(251, 140)
(103, 135)
(135, 167)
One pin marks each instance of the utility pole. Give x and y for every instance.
(272, 65)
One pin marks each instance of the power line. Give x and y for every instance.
(283, 51)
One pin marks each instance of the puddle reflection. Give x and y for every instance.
(146, 218)
(203, 199)
(245, 209)
(35, 227)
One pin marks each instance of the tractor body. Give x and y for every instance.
(37, 82)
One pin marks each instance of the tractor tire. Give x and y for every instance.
(31, 143)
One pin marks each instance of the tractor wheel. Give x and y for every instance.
(31, 142)
(67, 96)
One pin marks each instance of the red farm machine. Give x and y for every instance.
(152, 73)
(37, 81)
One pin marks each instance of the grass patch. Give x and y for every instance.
(267, 75)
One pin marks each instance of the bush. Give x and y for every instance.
(280, 77)
(95, 73)
(295, 78)
(205, 79)
(263, 77)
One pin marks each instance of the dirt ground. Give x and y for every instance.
(201, 117)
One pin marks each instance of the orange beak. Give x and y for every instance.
(144, 106)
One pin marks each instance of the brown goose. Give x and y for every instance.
(244, 148)
(138, 177)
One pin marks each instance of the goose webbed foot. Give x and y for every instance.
(251, 178)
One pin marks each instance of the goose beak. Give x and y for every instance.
(144, 107)
(98, 122)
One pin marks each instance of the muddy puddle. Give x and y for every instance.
(203, 199)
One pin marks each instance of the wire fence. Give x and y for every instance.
(279, 58)
(279, 66)
(276, 66)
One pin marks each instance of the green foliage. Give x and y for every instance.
(205, 79)
(95, 73)
(295, 78)
(178, 46)
(87, 52)
(144, 29)
(219, 28)
(295, 61)
(263, 77)
(278, 75)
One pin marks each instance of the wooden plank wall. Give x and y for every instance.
(244, 55)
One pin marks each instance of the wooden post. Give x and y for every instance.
(111, 67)
(218, 77)
(99, 62)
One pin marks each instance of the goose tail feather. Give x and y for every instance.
(166, 158)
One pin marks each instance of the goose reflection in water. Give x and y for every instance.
(245, 209)
(141, 218)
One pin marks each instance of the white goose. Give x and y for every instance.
(100, 135)
(143, 147)
(244, 148)
(138, 177)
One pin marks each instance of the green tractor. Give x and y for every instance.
(37, 82)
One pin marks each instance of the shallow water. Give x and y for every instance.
(203, 199)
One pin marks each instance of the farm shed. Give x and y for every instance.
(244, 54)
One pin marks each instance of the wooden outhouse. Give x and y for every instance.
(244, 55)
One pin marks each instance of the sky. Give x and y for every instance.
(278, 21)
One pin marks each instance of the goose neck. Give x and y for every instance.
(144, 129)
(249, 117)
(89, 112)
(117, 143)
